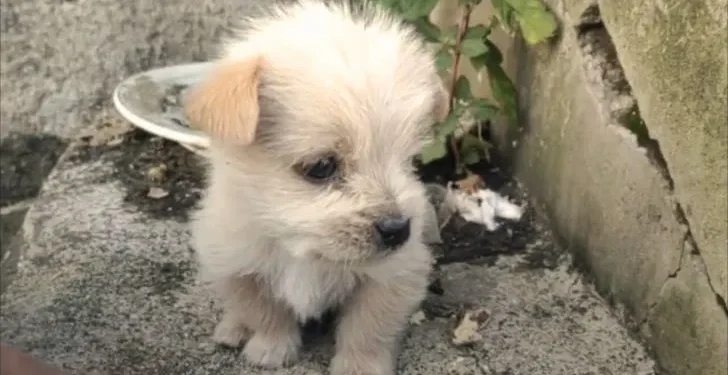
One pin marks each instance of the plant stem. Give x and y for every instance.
(462, 28)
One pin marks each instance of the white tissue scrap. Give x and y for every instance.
(484, 206)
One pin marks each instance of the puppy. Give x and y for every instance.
(315, 113)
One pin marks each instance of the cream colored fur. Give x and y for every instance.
(307, 80)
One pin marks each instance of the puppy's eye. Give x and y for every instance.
(322, 170)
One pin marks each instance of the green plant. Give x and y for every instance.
(461, 132)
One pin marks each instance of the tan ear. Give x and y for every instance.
(226, 104)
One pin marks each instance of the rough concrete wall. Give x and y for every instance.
(60, 60)
(640, 203)
(675, 57)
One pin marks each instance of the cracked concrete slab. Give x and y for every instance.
(683, 102)
(25, 162)
(109, 287)
(705, 349)
(60, 61)
(606, 199)
(628, 156)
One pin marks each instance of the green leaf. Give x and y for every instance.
(462, 88)
(470, 141)
(478, 62)
(449, 34)
(493, 56)
(460, 107)
(435, 150)
(477, 32)
(504, 91)
(474, 47)
(535, 21)
(447, 127)
(472, 149)
(483, 109)
(391, 4)
(429, 31)
(504, 13)
(414, 9)
(470, 157)
(444, 60)
(494, 22)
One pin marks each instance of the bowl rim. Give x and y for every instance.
(180, 74)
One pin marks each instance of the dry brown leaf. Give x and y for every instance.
(466, 331)
(157, 173)
(471, 184)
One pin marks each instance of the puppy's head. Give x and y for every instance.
(316, 113)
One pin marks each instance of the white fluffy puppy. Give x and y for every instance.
(315, 113)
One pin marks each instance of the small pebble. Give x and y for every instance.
(417, 318)
(171, 99)
(157, 193)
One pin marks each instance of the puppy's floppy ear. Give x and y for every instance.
(226, 105)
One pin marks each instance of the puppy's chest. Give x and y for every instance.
(310, 289)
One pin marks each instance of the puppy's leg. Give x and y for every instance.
(276, 337)
(231, 331)
(367, 334)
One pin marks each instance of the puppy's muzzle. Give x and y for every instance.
(392, 231)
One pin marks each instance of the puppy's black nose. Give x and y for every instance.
(393, 230)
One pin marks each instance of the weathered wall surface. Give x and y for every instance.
(61, 59)
(624, 141)
(675, 57)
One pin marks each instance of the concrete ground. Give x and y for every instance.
(106, 284)
(98, 277)
(59, 62)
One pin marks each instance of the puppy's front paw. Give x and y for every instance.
(271, 351)
(230, 333)
(343, 364)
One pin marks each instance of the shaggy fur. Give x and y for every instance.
(307, 81)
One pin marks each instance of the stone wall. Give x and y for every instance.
(624, 142)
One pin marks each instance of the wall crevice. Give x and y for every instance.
(607, 82)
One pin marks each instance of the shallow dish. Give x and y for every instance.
(152, 101)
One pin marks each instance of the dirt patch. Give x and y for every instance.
(465, 242)
(25, 162)
(165, 180)
(160, 177)
(473, 243)
(10, 223)
(11, 246)
(544, 253)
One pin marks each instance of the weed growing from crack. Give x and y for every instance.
(461, 133)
